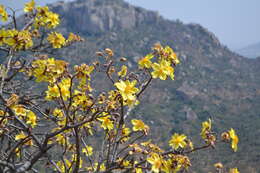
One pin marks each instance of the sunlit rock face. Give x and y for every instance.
(94, 16)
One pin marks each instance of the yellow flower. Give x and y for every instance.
(29, 6)
(127, 89)
(125, 134)
(3, 13)
(171, 55)
(166, 166)
(3, 35)
(156, 161)
(131, 103)
(58, 113)
(62, 122)
(107, 124)
(2, 113)
(56, 39)
(234, 138)
(102, 167)
(158, 72)
(146, 61)
(136, 149)
(52, 92)
(169, 70)
(178, 141)
(63, 89)
(88, 150)
(48, 70)
(173, 164)
(123, 71)
(31, 119)
(81, 100)
(61, 139)
(18, 152)
(84, 71)
(233, 170)
(42, 11)
(46, 18)
(163, 70)
(41, 17)
(138, 170)
(24, 40)
(20, 136)
(17, 39)
(126, 131)
(74, 158)
(10, 40)
(138, 125)
(126, 163)
(52, 19)
(183, 161)
(63, 167)
(19, 110)
(206, 127)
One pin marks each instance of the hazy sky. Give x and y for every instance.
(235, 22)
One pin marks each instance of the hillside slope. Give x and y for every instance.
(211, 82)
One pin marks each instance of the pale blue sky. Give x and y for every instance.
(235, 22)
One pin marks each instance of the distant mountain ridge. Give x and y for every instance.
(251, 51)
(211, 81)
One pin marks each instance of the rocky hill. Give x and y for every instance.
(211, 82)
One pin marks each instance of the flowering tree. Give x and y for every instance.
(72, 127)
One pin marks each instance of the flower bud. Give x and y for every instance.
(218, 165)
(225, 136)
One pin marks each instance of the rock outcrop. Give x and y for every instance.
(95, 16)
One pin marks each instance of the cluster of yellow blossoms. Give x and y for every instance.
(28, 115)
(22, 136)
(174, 163)
(47, 69)
(167, 60)
(210, 138)
(164, 67)
(23, 39)
(60, 89)
(44, 17)
(179, 142)
(57, 40)
(22, 112)
(19, 40)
